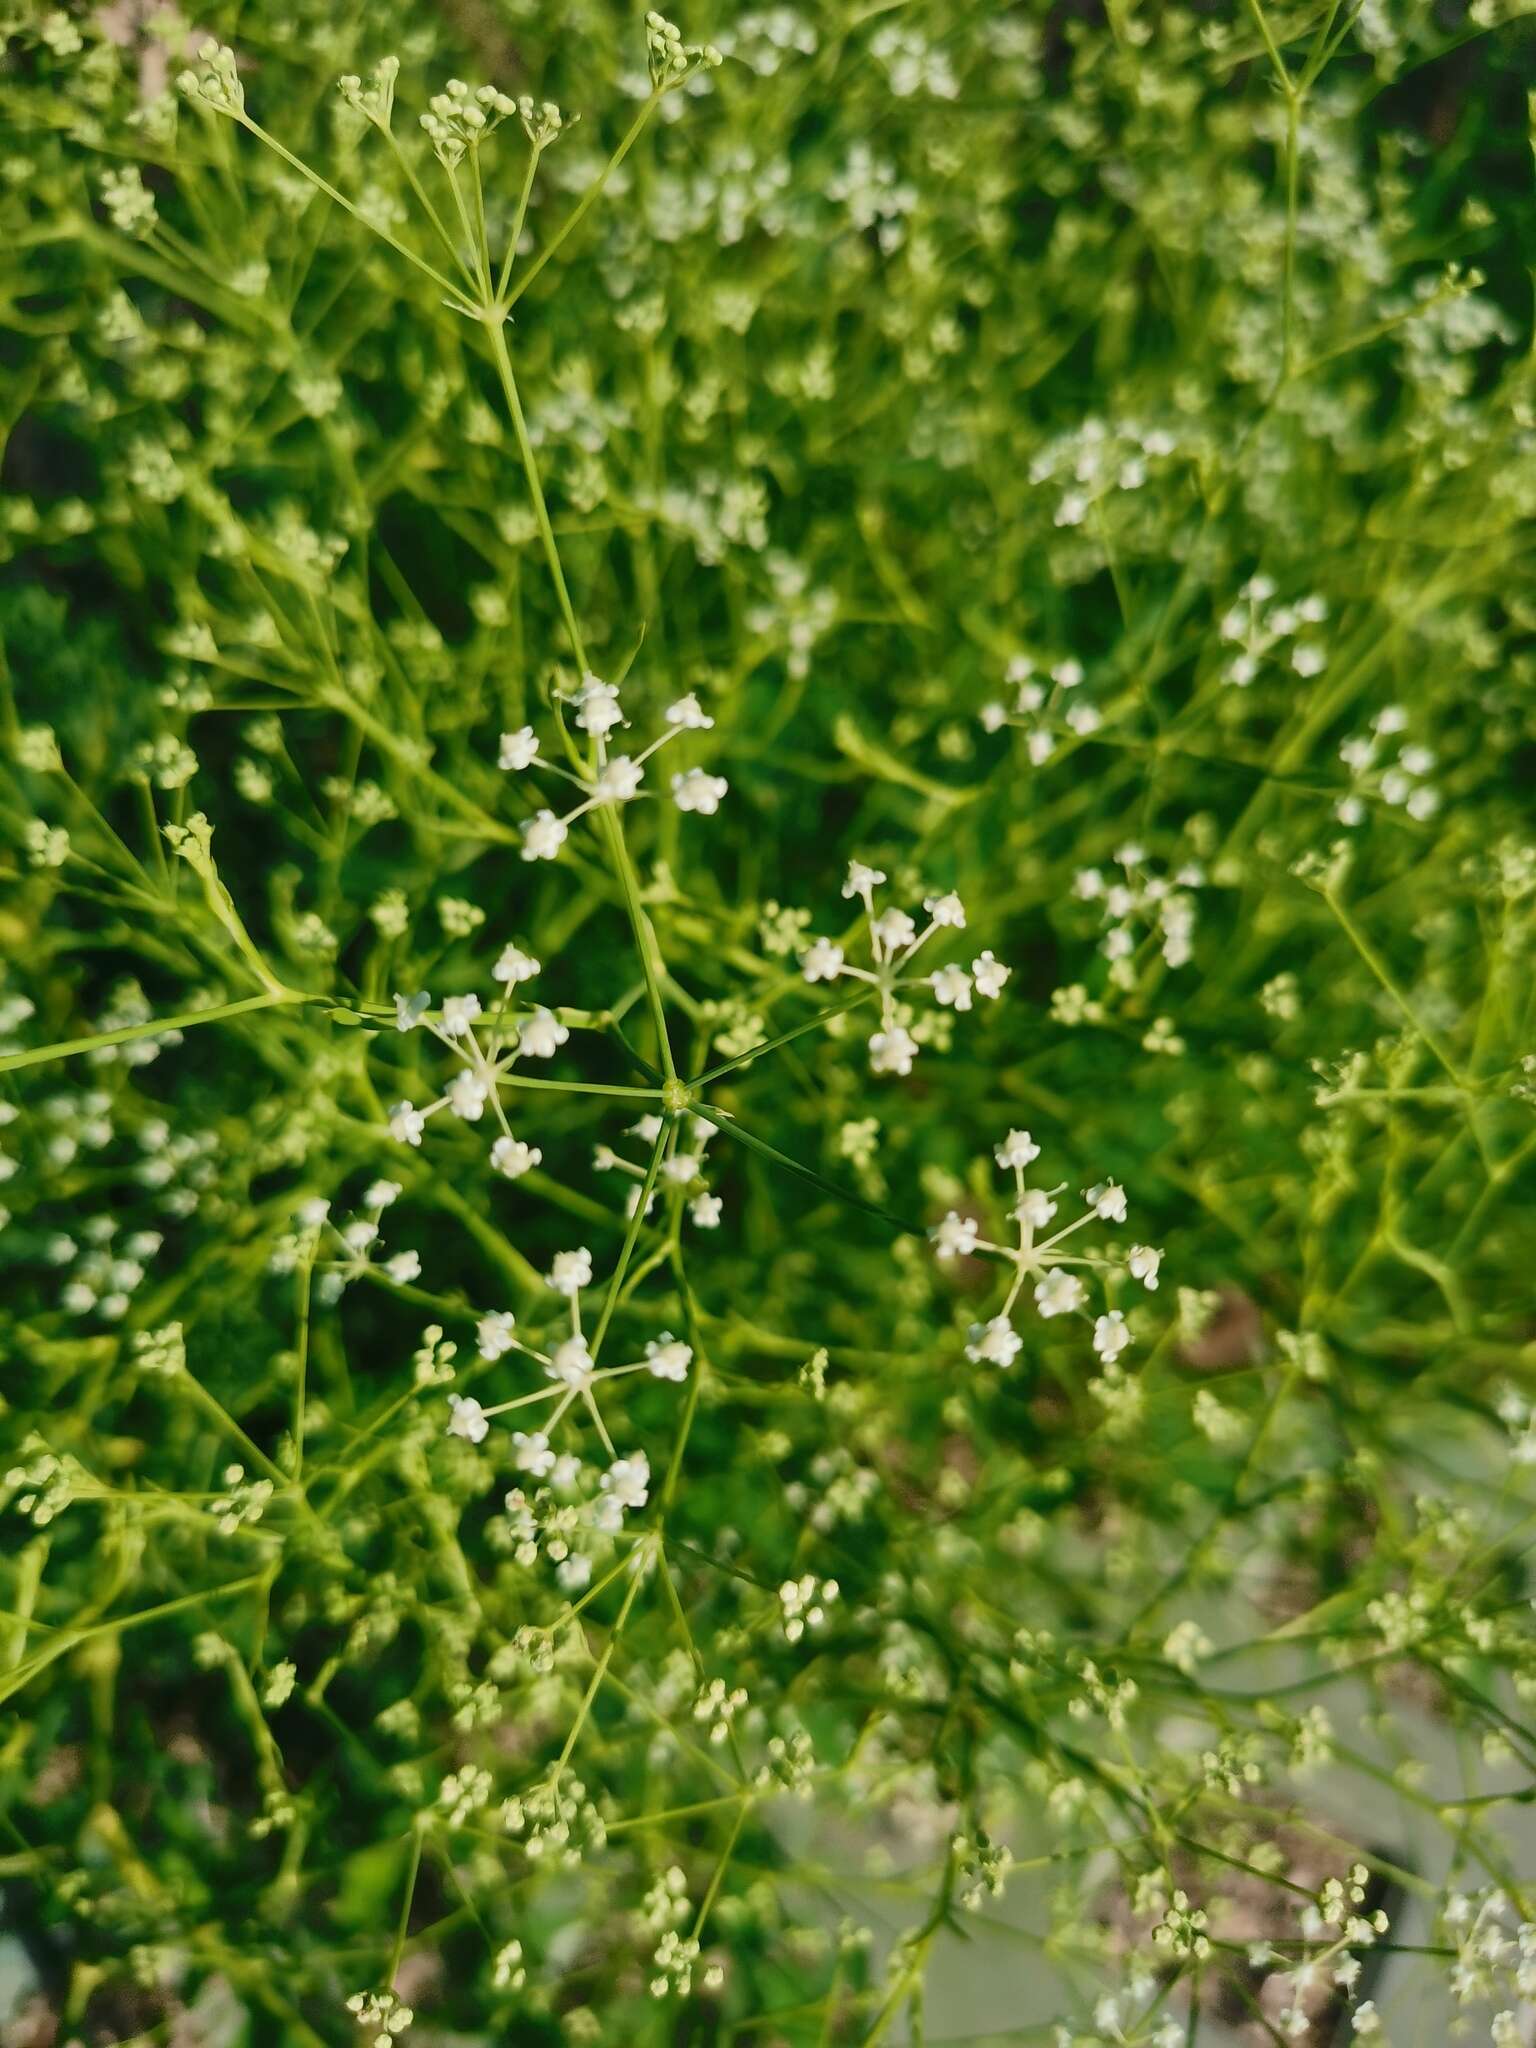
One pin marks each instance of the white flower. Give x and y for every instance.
(668, 1357)
(688, 714)
(1110, 1336)
(619, 780)
(628, 1480)
(705, 1211)
(1017, 1149)
(493, 1333)
(951, 987)
(1107, 1201)
(697, 790)
(892, 929)
(519, 749)
(1144, 1260)
(571, 1363)
(466, 1095)
(822, 960)
(993, 717)
(409, 1010)
(532, 1453)
(862, 881)
(514, 965)
(570, 1272)
(1058, 1292)
(382, 1193)
(459, 1013)
(990, 974)
(955, 1237)
(597, 707)
(403, 1267)
(994, 1343)
(543, 836)
(406, 1123)
(946, 910)
(541, 1035)
(512, 1157)
(893, 1051)
(1035, 1209)
(468, 1419)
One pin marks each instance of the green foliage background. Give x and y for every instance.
(908, 343)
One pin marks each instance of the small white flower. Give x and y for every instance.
(688, 714)
(1144, 1260)
(519, 749)
(468, 1418)
(597, 708)
(822, 960)
(543, 836)
(698, 790)
(494, 1333)
(994, 1343)
(955, 1237)
(571, 1363)
(668, 1358)
(541, 1035)
(532, 1453)
(946, 910)
(619, 780)
(706, 1211)
(382, 1193)
(406, 1123)
(1058, 1292)
(459, 1013)
(403, 1268)
(514, 966)
(510, 1156)
(862, 880)
(1110, 1336)
(1034, 1209)
(409, 1010)
(1107, 1201)
(628, 1480)
(1017, 1149)
(570, 1272)
(893, 929)
(951, 987)
(893, 1051)
(467, 1092)
(990, 974)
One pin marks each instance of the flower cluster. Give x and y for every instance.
(895, 938)
(1054, 1269)
(608, 779)
(1261, 630)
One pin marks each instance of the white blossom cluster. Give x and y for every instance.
(895, 939)
(1044, 1260)
(1261, 631)
(487, 1044)
(610, 778)
(1142, 900)
(1045, 704)
(1095, 460)
(570, 1364)
(343, 1252)
(1400, 778)
(680, 1166)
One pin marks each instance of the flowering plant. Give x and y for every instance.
(765, 1033)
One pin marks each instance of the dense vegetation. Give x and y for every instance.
(767, 892)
